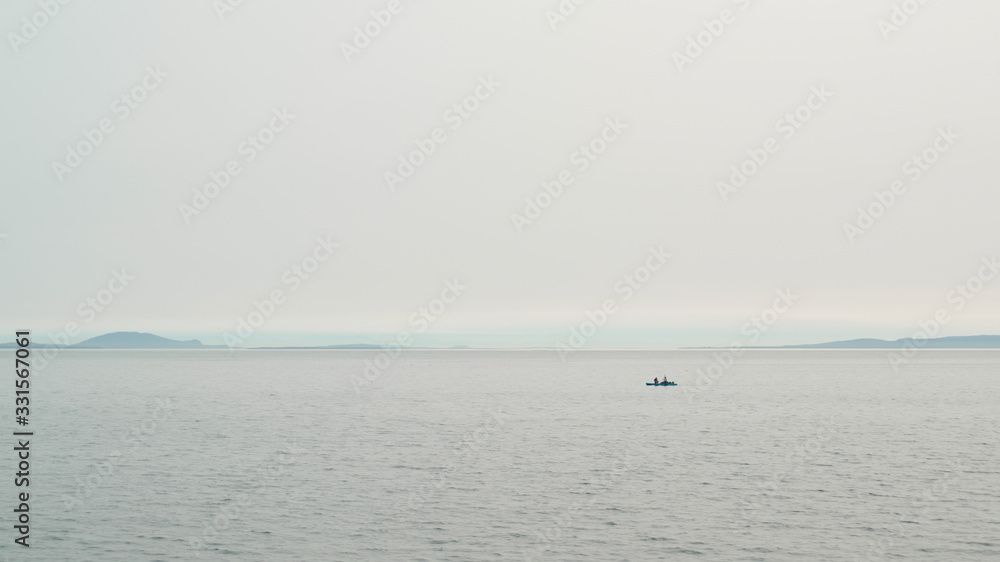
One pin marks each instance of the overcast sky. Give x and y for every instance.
(339, 109)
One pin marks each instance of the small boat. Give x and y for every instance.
(661, 384)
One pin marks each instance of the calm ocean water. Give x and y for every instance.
(468, 455)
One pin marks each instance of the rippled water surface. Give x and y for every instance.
(468, 455)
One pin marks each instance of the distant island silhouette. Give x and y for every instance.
(142, 340)
(127, 340)
(951, 342)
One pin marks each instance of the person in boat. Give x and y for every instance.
(656, 380)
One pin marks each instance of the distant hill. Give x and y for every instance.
(140, 340)
(953, 342)
(126, 340)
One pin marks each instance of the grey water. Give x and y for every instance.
(510, 455)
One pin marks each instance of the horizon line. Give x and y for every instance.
(872, 343)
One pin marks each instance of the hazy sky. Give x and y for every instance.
(214, 79)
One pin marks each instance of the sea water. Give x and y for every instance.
(510, 455)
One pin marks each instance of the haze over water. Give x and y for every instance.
(470, 455)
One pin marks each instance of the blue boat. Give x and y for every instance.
(661, 384)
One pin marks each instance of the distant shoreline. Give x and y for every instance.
(146, 341)
(540, 349)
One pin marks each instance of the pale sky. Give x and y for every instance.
(212, 81)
